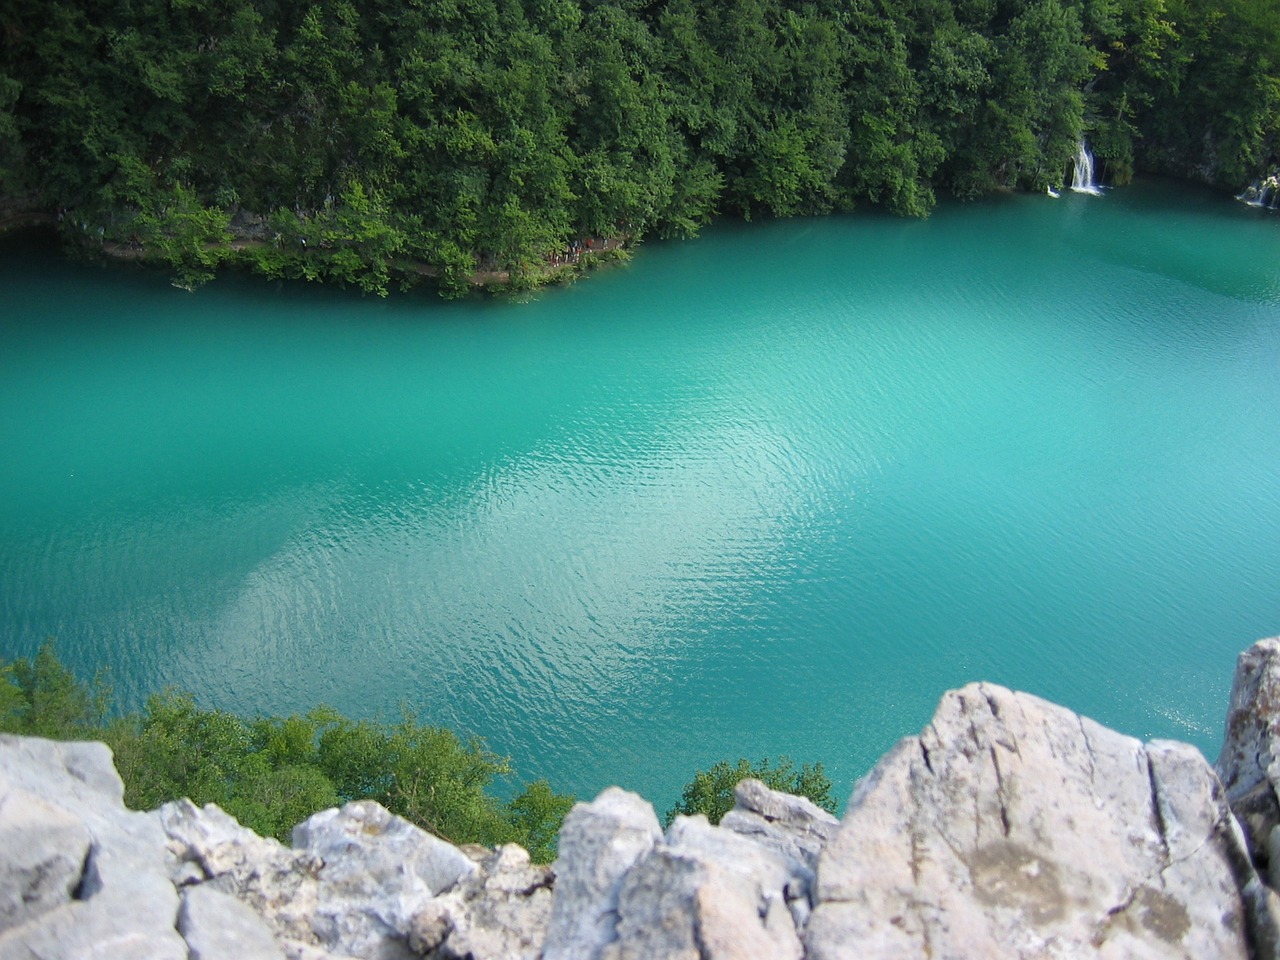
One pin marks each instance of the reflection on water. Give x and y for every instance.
(772, 491)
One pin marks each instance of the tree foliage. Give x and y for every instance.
(375, 143)
(273, 772)
(40, 697)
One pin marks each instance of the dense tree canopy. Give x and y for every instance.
(386, 140)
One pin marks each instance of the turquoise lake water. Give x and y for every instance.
(771, 491)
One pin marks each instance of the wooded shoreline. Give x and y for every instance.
(577, 259)
(480, 138)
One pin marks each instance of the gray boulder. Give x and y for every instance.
(740, 891)
(118, 901)
(708, 894)
(1015, 828)
(599, 843)
(208, 846)
(354, 884)
(378, 871)
(794, 826)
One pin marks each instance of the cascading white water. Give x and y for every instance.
(1263, 192)
(1082, 178)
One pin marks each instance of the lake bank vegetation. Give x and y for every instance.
(494, 141)
(273, 772)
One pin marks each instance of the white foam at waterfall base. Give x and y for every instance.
(1082, 177)
(1264, 192)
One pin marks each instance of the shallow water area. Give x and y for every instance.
(771, 491)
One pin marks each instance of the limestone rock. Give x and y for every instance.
(707, 894)
(599, 842)
(351, 887)
(45, 849)
(378, 872)
(660, 894)
(1249, 763)
(207, 845)
(1012, 827)
(499, 913)
(387, 846)
(794, 826)
(123, 904)
(217, 926)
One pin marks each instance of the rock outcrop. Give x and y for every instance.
(599, 844)
(1249, 763)
(107, 892)
(1010, 827)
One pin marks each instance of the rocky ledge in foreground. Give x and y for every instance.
(1010, 827)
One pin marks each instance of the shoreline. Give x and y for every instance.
(576, 258)
(556, 269)
(294, 260)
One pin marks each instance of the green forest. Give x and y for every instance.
(380, 143)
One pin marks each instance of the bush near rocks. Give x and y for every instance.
(710, 792)
(271, 772)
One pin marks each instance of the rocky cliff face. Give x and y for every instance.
(1010, 827)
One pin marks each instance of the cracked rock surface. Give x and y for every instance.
(83, 878)
(80, 876)
(1013, 827)
(1249, 763)
(707, 894)
(599, 843)
(499, 912)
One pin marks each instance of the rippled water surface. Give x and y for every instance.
(770, 491)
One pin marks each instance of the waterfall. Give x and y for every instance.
(1263, 192)
(1082, 178)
